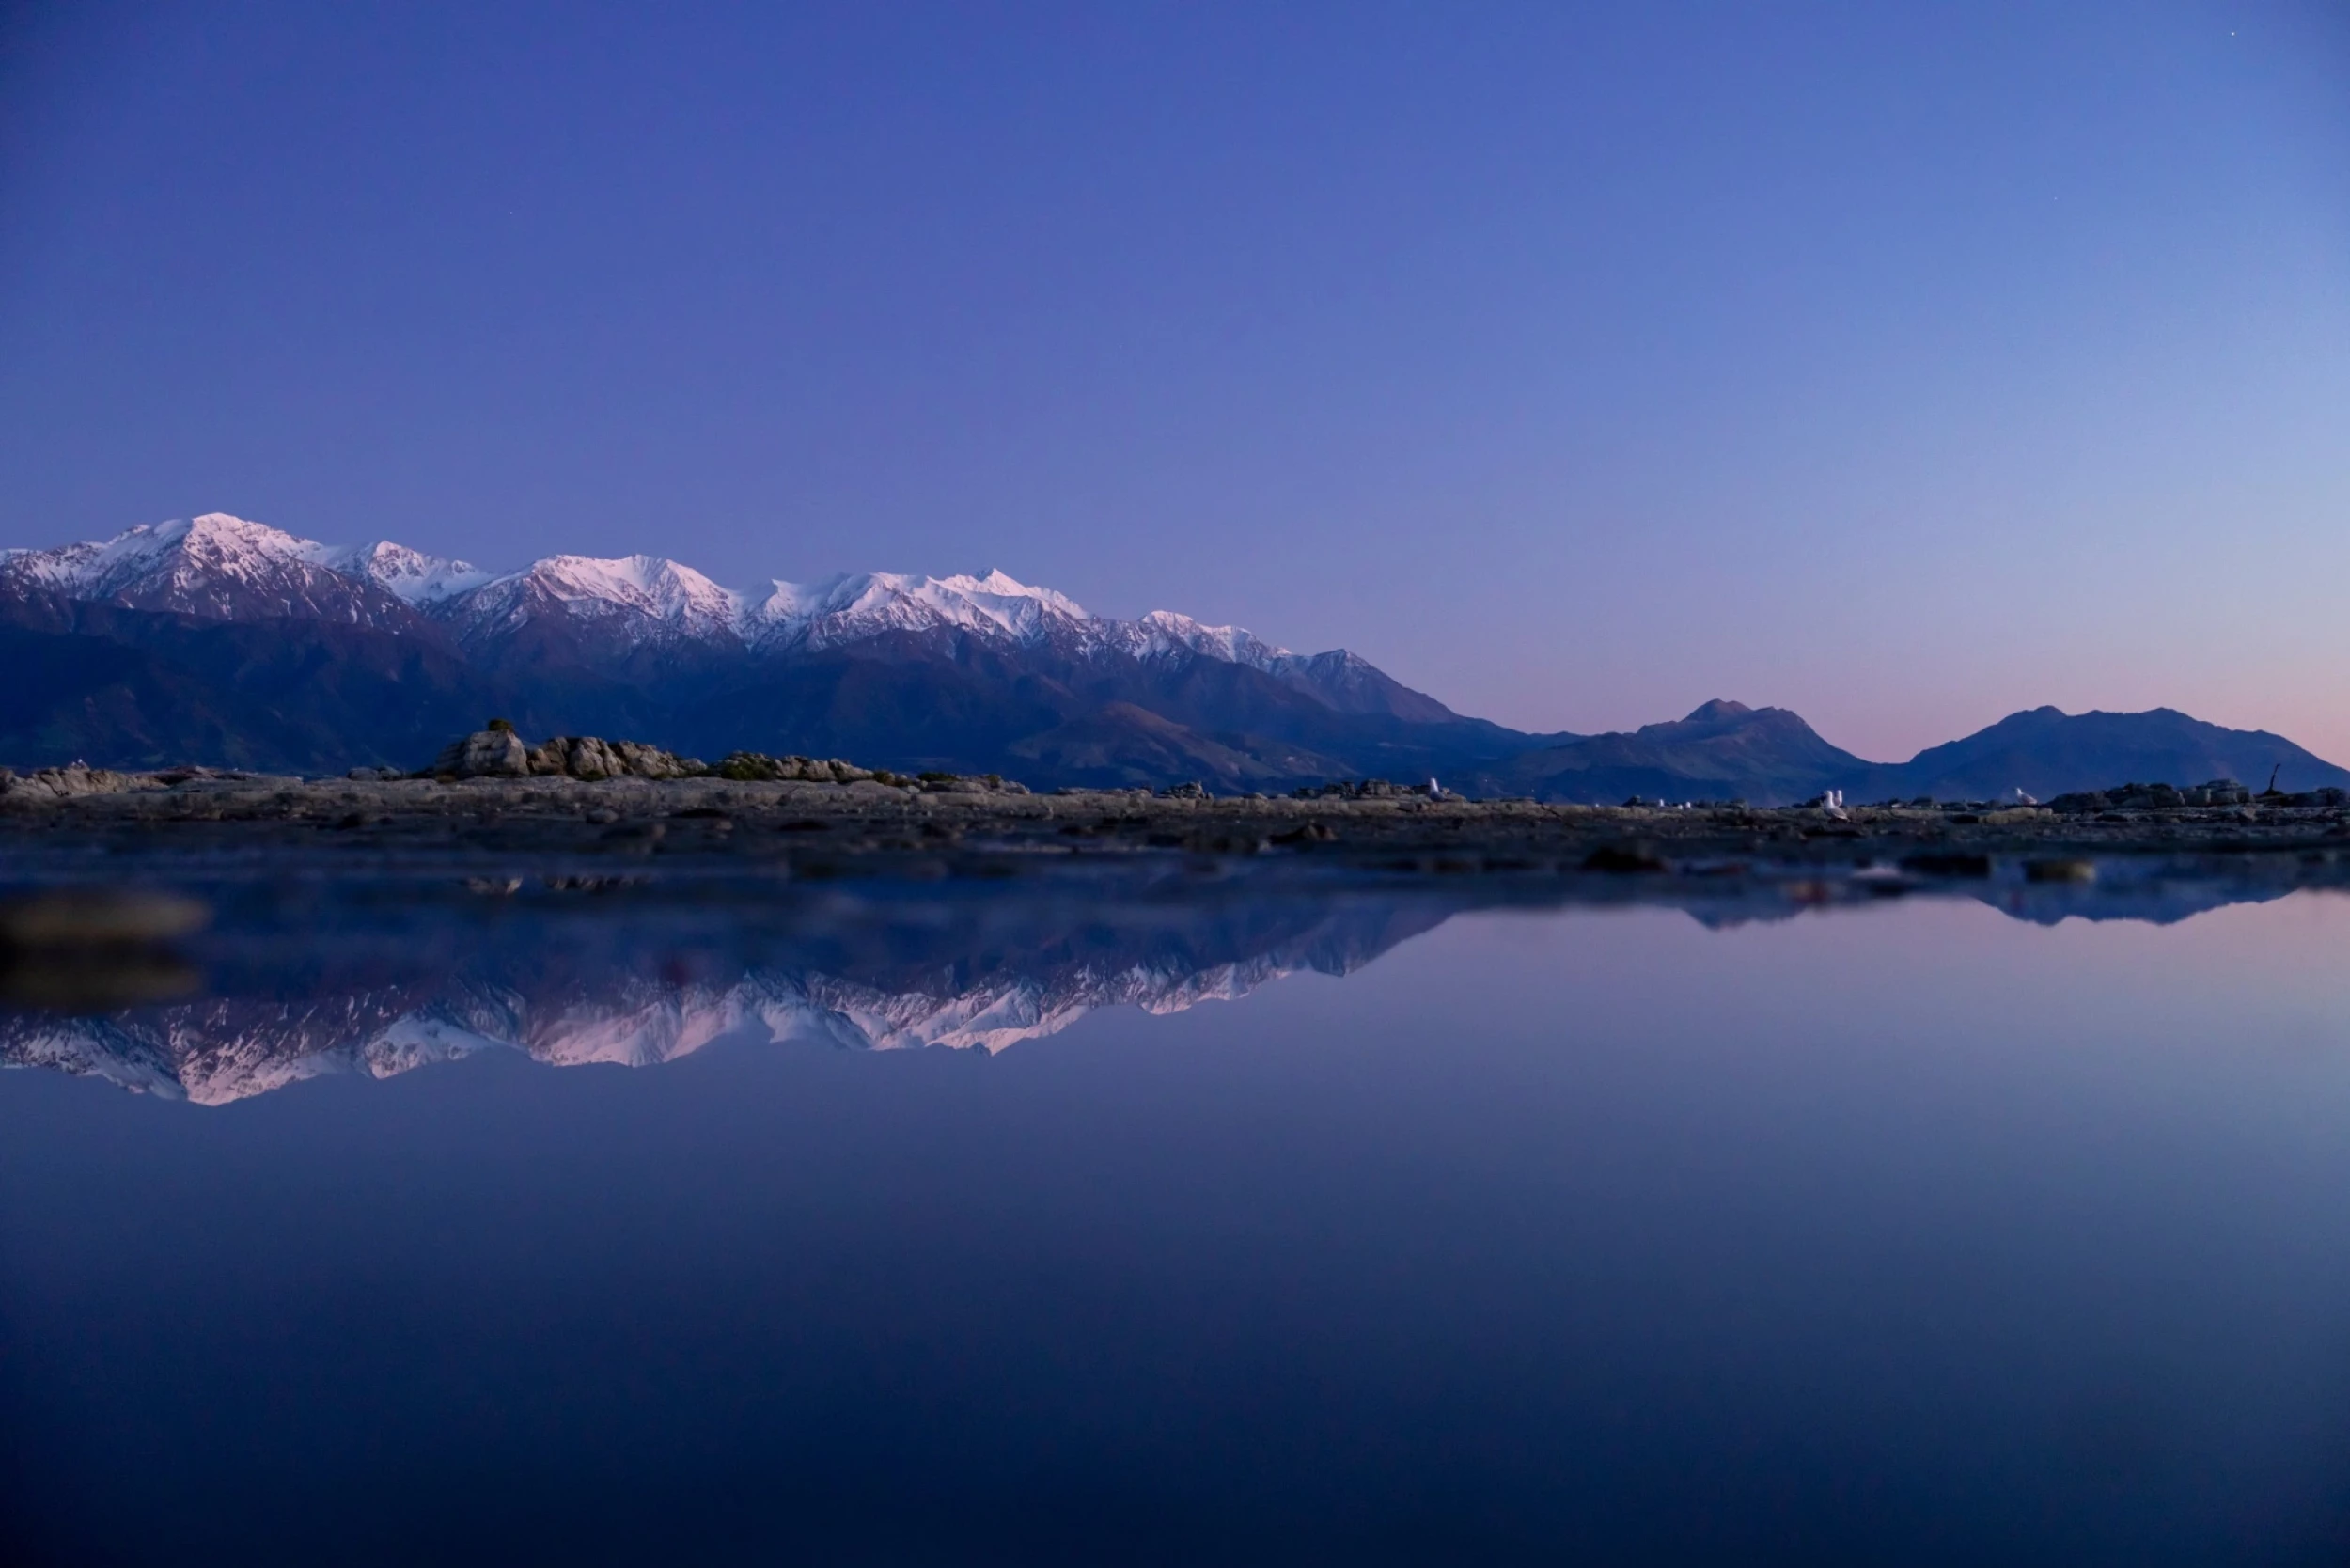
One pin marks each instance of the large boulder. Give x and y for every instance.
(485, 754)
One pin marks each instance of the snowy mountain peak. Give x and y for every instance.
(410, 575)
(230, 567)
(1163, 631)
(852, 606)
(215, 566)
(648, 584)
(636, 599)
(226, 568)
(215, 542)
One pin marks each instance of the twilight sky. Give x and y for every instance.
(1903, 365)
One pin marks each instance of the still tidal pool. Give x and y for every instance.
(1034, 1224)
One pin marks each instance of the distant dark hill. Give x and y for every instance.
(1722, 751)
(2046, 752)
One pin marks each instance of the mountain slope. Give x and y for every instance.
(137, 688)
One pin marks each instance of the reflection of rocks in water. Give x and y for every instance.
(639, 990)
(93, 950)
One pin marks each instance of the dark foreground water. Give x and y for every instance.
(1188, 1224)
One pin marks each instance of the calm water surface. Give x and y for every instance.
(1215, 1229)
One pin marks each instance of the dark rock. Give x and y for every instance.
(1621, 860)
(1944, 865)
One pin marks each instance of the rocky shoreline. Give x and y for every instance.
(967, 823)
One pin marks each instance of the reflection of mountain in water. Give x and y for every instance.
(662, 985)
(382, 980)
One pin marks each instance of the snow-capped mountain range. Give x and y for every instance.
(220, 567)
(227, 642)
(220, 640)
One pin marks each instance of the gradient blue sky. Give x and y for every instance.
(1903, 365)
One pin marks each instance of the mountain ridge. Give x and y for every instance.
(218, 639)
(224, 567)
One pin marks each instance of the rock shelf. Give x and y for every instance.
(971, 821)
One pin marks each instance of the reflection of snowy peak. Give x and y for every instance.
(219, 1051)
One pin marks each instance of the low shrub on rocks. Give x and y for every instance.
(2153, 797)
(1368, 788)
